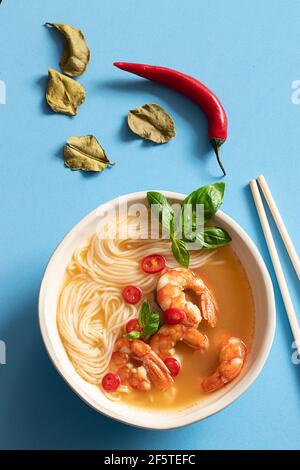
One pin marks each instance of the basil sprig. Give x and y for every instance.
(180, 252)
(163, 210)
(211, 197)
(213, 237)
(149, 322)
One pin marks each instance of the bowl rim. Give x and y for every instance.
(196, 415)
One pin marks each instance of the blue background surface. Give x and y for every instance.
(248, 53)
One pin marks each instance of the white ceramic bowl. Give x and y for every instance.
(264, 331)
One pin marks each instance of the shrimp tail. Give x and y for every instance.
(195, 339)
(158, 372)
(156, 369)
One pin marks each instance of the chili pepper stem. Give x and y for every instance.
(216, 144)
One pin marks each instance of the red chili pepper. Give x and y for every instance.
(132, 294)
(153, 264)
(173, 365)
(111, 382)
(193, 89)
(173, 316)
(133, 325)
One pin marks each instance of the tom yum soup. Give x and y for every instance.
(153, 322)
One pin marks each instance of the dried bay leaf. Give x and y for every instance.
(76, 54)
(85, 153)
(152, 122)
(64, 94)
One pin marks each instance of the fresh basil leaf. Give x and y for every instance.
(213, 237)
(148, 320)
(152, 122)
(180, 252)
(210, 196)
(152, 327)
(133, 335)
(165, 212)
(144, 312)
(76, 54)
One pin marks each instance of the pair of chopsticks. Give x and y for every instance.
(272, 249)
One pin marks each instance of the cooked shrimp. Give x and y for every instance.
(170, 294)
(232, 357)
(152, 369)
(136, 377)
(164, 341)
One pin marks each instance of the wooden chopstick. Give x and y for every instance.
(280, 224)
(276, 264)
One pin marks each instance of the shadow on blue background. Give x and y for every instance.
(175, 103)
(42, 83)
